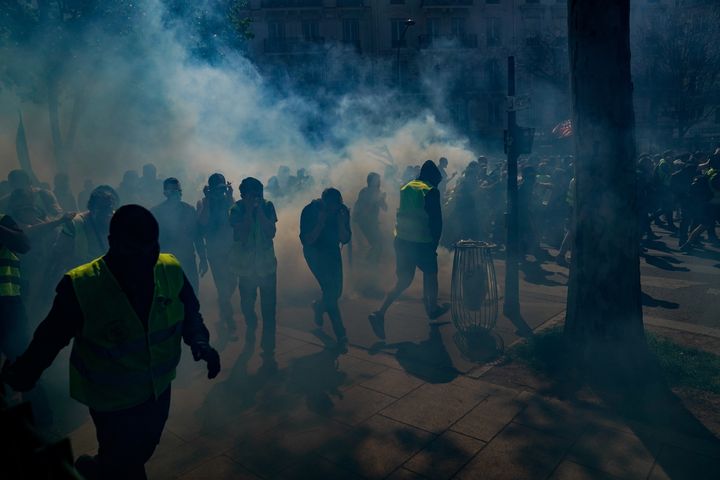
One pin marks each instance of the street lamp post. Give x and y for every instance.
(407, 24)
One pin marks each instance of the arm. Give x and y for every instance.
(312, 222)
(13, 237)
(195, 334)
(52, 335)
(44, 228)
(241, 221)
(267, 219)
(344, 233)
(432, 207)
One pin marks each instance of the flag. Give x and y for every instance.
(21, 148)
(563, 129)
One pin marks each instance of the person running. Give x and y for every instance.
(253, 220)
(324, 227)
(126, 314)
(417, 234)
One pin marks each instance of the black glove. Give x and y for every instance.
(211, 357)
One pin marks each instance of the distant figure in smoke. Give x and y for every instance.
(529, 239)
(63, 194)
(366, 215)
(213, 218)
(180, 232)
(442, 166)
(303, 181)
(149, 186)
(324, 227)
(279, 185)
(132, 296)
(41, 200)
(129, 188)
(85, 237)
(417, 234)
(84, 195)
(253, 220)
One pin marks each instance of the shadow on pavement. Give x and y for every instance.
(649, 301)
(536, 274)
(664, 262)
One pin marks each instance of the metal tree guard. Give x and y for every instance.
(474, 292)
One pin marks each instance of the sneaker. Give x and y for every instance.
(439, 311)
(342, 345)
(377, 322)
(317, 310)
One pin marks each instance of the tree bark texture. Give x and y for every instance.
(604, 296)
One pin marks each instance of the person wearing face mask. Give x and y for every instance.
(179, 232)
(253, 256)
(213, 219)
(127, 314)
(324, 227)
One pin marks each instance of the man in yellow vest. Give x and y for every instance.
(126, 313)
(417, 234)
(13, 318)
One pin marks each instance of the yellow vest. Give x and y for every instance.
(9, 271)
(115, 364)
(413, 223)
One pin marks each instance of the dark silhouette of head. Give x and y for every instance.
(373, 180)
(172, 189)
(430, 173)
(102, 203)
(332, 199)
(251, 187)
(149, 171)
(133, 238)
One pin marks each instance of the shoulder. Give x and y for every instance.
(7, 221)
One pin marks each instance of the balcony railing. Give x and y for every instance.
(446, 3)
(291, 3)
(292, 45)
(448, 41)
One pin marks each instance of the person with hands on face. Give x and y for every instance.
(127, 313)
(253, 257)
(324, 227)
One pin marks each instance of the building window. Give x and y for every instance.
(433, 27)
(397, 26)
(492, 2)
(492, 73)
(351, 31)
(310, 30)
(276, 29)
(457, 26)
(494, 32)
(494, 117)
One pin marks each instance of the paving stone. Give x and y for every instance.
(219, 468)
(490, 416)
(356, 405)
(393, 382)
(552, 416)
(286, 445)
(568, 470)
(316, 467)
(621, 454)
(434, 407)
(517, 452)
(377, 447)
(405, 474)
(173, 462)
(444, 456)
(357, 370)
(680, 464)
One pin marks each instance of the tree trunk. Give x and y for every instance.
(604, 297)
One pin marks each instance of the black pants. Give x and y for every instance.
(13, 327)
(326, 265)
(267, 285)
(127, 438)
(373, 235)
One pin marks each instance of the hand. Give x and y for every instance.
(203, 266)
(212, 359)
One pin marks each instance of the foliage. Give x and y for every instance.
(677, 60)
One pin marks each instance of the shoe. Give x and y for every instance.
(377, 322)
(342, 345)
(317, 310)
(439, 311)
(562, 261)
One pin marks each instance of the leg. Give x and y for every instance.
(427, 263)
(332, 287)
(404, 271)
(225, 285)
(268, 307)
(127, 438)
(248, 286)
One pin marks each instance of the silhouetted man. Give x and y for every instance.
(366, 215)
(324, 226)
(417, 234)
(179, 231)
(126, 313)
(253, 220)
